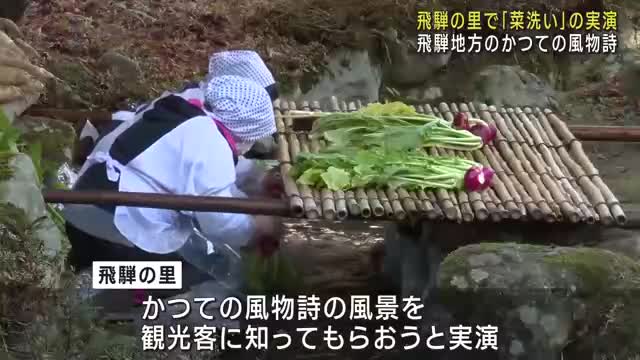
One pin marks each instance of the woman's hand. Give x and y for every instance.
(268, 232)
(272, 184)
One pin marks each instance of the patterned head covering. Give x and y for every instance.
(242, 106)
(245, 63)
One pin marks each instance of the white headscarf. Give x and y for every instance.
(244, 63)
(241, 105)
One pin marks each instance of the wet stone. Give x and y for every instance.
(478, 275)
(484, 260)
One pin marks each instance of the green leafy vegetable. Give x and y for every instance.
(392, 131)
(311, 176)
(382, 145)
(392, 108)
(413, 170)
(336, 178)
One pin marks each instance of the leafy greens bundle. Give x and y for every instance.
(385, 143)
(411, 170)
(375, 125)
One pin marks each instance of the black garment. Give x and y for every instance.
(160, 119)
(86, 248)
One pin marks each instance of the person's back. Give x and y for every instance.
(176, 148)
(241, 63)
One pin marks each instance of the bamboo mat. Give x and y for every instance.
(542, 174)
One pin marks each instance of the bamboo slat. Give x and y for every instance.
(360, 195)
(541, 173)
(288, 151)
(502, 183)
(584, 161)
(583, 178)
(541, 144)
(296, 200)
(389, 199)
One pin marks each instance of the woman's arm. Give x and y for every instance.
(233, 229)
(249, 176)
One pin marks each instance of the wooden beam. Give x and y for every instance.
(173, 202)
(582, 132)
(632, 211)
(606, 133)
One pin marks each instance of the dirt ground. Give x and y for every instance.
(171, 40)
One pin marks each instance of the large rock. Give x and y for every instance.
(56, 138)
(405, 66)
(504, 85)
(622, 241)
(546, 301)
(351, 75)
(630, 74)
(16, 99)
(32, 247)
(77, 86)
(123, 70)
(627, 29)
(412, 254)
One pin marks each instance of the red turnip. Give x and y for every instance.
(486, 132)
(461, 121)
(478, 178)
(267, 246)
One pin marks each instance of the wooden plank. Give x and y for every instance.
(173, 202)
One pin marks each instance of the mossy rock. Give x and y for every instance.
(27, 259)
(56, 137)
(544, 298)
(32, 247)
(67, 327)
(107, 345)
(81, 83)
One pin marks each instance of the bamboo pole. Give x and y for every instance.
(549, 153)
(350, 196)
(296, 199)
(541, 144)
(516, 164)
(287, 153)
(581, 132)
(170, 202)
(583, 177)
(553, 193)
(468, 201)
(606, 133)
